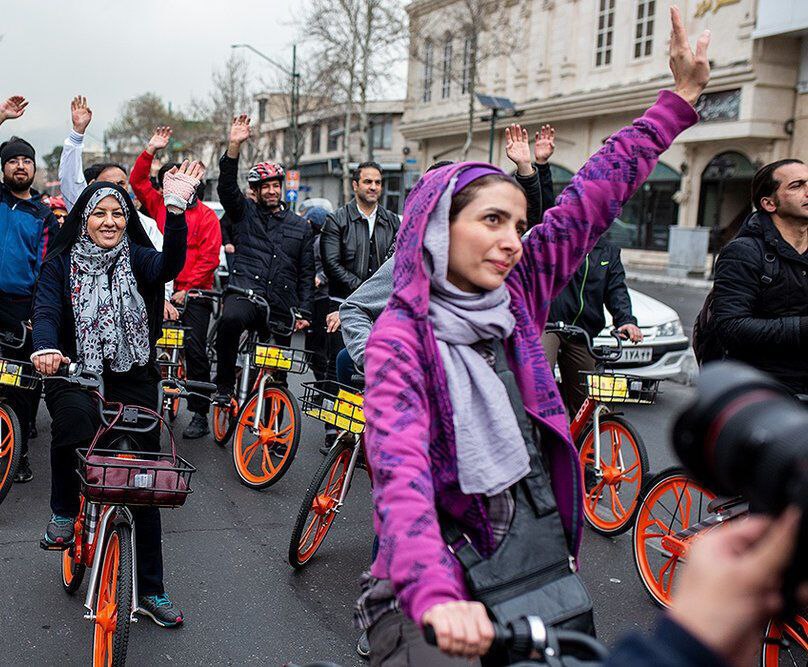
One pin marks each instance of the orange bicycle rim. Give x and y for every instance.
(221, 419)
(107, 606)
(274, 440)
(7, 445)
(782, 640)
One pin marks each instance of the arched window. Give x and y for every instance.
(446, 82)
(725, 198)
(426, 81)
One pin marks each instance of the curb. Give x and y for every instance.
(662, 279)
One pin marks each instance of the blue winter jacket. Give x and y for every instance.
(26, 228)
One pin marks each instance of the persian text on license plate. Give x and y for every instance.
(636, 354)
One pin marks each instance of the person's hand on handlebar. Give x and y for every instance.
(732, 584)
(302, 324)
(49, 363)
(332, 322)
(631, 332)
(462, 628)
(179, 297)
(170, 313)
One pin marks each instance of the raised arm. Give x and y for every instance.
(534, 177)
(71, 167)
(586, 208)
(139, 179)
(13, 107)
(229, 193)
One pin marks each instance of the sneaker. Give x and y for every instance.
(363, 645)
(197, 428)
(160, 609)
(24, 473)
(59, 531)
(330, 439)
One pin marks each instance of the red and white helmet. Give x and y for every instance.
(265, 171)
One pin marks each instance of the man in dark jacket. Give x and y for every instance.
(27, 225)
(599, 281)
(760, 295)
(273, 255)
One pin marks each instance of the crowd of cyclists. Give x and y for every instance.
(439, 315)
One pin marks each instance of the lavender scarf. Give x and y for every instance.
(491, 452)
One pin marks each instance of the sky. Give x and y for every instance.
(114, 50)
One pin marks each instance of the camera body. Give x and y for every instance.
(745, 435)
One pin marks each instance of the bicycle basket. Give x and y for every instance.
(173, 336)
(616, 388)
(335, 404)
(276, 357)
(134, 478)
(18, 374)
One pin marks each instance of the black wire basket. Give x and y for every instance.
(18, 374)
(336, 404)
(111, 477)
(279, 358)
(619, 388)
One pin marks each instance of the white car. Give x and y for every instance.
(665, 351)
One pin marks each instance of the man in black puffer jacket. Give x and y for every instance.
(273, 255)
(599, 281)
(760, 296)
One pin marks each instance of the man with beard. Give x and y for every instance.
(26, 226)
(273, 256)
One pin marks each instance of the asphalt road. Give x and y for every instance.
(225, 555)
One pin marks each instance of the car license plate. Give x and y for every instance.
(634, 354)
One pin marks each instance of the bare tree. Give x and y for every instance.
(487, 31)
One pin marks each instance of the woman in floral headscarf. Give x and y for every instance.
(99, 302)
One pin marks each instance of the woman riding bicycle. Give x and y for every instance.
(466, 436)
(99, 302)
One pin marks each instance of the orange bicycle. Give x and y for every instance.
(112, 480)
(264, 416)
(340, 406)
(674, 510)
(611, 452)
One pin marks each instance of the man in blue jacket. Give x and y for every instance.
(27, 225)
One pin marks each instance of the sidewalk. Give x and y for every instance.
(660, 277)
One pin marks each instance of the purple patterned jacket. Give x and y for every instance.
(410, 436)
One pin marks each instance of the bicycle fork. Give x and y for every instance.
(599, 408)
(348, 475)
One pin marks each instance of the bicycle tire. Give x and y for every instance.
(174, 405)
(659, 583)
(72, 572)
(276, 395)
(10, 450)
(338, 457)
(224, 422)
(779, 650)
(621, 516)
(113, 615)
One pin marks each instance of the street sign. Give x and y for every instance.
(291, 196)
(293, 179)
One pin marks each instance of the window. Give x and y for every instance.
(603, 50)
(382, 133)
(446, 83)
(287, 143)
(426, 83)
(644, 28)
(465, 77)
(316, 130)
(333, 136)
(392, 192)
(262, 111)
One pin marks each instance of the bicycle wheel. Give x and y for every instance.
(114, 599)
(174, 406)
(224, 421)
(318, 510)
(785, 644)
(671, 503)
(273, 437)
(10, 451)
(610, 502)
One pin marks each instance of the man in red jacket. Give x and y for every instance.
(202, 258)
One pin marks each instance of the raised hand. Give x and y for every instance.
(180, 183)
(691, 71)
(13, 107)
(517, 148)
(80, 114)
(545, 144)
(159, 140)
(239, 132)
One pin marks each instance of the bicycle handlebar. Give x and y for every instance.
(12, 340)
(604, 353)
(529, 634)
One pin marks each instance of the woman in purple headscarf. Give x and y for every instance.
(462, 410)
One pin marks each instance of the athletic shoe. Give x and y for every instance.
(59, 531)
(24, 473)
(160, 609)
(363, 645)
(197, 428)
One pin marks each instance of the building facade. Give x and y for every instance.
(321, 146)
(589, 67)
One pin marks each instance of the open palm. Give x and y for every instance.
(13, 107)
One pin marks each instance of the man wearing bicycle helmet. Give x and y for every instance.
(273, 255)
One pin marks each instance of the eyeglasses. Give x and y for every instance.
(21, 162)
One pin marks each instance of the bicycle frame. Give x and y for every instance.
(592, 409)
(351, 467)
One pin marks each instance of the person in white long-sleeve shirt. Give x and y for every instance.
(74, 178)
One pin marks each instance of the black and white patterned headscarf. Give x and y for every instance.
(110, 314)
